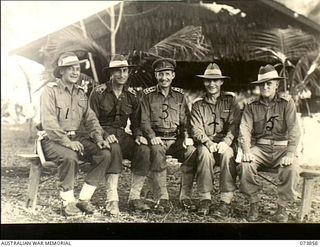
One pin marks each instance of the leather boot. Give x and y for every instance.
(112, 208)
(86, 207)
(70, 209)
(138, 205)
(253, 214)
(281, 215)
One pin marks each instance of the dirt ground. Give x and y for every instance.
(14, 183)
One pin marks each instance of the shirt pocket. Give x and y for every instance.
(279, 126)
(157, 113)
(82, 107)
(174, 115)
(126, 108)
(62, 111)
(224, 121)
(259, 125)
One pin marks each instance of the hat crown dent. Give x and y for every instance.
(213, 69)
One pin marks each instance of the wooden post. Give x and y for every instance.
(34, 178)
(93, 66)
(309, 177)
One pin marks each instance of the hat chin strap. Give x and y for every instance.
(268, 75)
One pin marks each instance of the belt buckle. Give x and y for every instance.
(272, 142)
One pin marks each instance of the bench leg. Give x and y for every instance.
(34, 180)
(306, 197)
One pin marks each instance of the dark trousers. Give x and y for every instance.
(172, 147)
(127, 148)
(68, 162)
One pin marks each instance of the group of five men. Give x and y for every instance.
(162, 124)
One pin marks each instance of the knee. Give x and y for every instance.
(143, 149)
(105, 154)
(228, 154)
(203, 153)
(157, 149)
(70, 157)
(115, 148)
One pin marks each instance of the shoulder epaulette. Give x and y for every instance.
(52, 84)
(132, 91)
(197, 100)
(286, 97)
(101, 88)
(149, 90)
(177, 89)
(252, 99)
(230, 94)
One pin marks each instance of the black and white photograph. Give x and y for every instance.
(160, 112)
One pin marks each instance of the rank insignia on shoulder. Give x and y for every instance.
(132, 91)
(149, 90)
(177, 89)
(101, 88)
(52, 84)
(252, 99)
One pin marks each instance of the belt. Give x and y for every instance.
(272, 142)
(166, 134)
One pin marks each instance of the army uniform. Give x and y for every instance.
(62, 112)
(215, 122)
(269, 132)
(165, 117)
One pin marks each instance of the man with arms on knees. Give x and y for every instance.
(164, 123)
(214, 122)
(114, 103)
(270, 121)
(63, 106)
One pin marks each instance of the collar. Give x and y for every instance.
(220, 97)
(275, 99)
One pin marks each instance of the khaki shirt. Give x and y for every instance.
(62, 111)
(163, 114)
(215, 122)
(115, 112)
(276, 121)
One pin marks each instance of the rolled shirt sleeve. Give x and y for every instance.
(245, 129)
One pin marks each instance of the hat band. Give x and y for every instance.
(68, 61)
(268, 75)
(213, 72)
(118, 64)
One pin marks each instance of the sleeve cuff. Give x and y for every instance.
(227, 140)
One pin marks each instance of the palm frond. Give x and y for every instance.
(287, 43)
(307, 73)
(186, 44)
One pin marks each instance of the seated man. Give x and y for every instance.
(271, 121)
(214, 123)
(114, 103)
(64, 106)
(164, 123)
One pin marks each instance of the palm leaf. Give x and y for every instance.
(280, 44)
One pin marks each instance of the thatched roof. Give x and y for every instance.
(146, 23)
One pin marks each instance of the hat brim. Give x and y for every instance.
(213, 76)
(120, 66)
(56, 71)
(267, 79)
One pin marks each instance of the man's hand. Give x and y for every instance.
(76, 146)
(213, 147)
(100, 89)
(156, 141)
(103, 144)
(222, 147)
(287, 160)
(141, 140)
(187, 142)
(248, 157)
(112, 139)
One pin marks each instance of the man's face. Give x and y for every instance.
(269, 88)
(213, 86)
(120, 75)
(165, 78)
(70, 74)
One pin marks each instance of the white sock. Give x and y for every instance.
(226, 197)
(67, 197)
(86, 192)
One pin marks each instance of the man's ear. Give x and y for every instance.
(173, 74)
